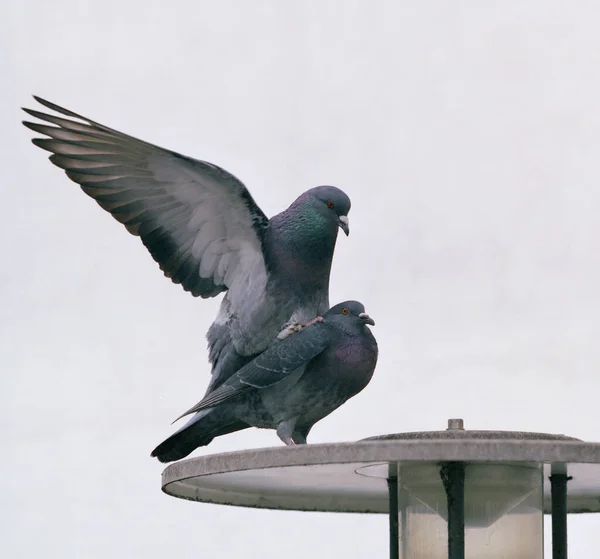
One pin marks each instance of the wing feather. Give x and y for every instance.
(270, 367)
(198, 221)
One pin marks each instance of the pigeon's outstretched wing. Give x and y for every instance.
(271, 366)
(199, 222)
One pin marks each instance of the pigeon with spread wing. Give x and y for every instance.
(205, 231)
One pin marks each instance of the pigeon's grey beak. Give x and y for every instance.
(366, 318)
(344, 224)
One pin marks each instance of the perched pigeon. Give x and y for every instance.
(289, 387)
(205, 231)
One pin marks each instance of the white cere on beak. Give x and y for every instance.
(344, 219)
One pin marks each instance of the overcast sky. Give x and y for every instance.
(467, 135)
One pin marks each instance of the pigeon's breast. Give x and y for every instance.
(356, 363)
(330, 380)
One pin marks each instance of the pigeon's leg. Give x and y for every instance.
(285, 430)
(300, 434)
(298, 438)
(292, 327)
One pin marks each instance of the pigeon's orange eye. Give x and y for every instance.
(330, 204)
(345, 310)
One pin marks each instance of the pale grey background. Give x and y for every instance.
(467, 135)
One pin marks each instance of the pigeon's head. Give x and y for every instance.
(333, 203)
(348, 314)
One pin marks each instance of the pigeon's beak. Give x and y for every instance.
(344, 224)
(366, 318)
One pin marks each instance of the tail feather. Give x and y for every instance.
(199, 431)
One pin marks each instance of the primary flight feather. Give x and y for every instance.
(206, 232)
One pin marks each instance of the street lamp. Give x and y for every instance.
(452, 494)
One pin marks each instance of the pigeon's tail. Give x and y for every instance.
(199, 431)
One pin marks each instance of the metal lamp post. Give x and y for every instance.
(449, 494)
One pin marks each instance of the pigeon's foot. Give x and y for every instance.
(289, 442)
(289, 329)
(294, 327)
